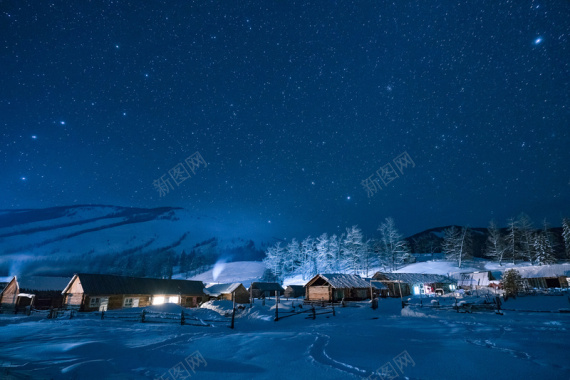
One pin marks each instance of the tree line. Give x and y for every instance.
(519, 241)
(349, 252)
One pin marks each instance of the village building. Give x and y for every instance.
(265, 289)
(476, 280)
(405, 284)
(545, 276)
(294, 291)
(91, 292)
(225, 292)
(37, 292)
(335, 287)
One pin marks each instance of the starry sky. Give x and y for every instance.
(292, 104)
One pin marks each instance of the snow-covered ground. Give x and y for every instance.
(436, 343)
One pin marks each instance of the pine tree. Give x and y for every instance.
(495, 243)
(274, 260)
(292, 257)
(307, 254)
(511, 282)
(334, 247)
(544, 246)
(566, 236)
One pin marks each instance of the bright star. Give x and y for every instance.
(34, 137)
(62, 122)
(538, 41)
(348, 198)
(23, 178)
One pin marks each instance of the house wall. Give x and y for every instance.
(9, 296)
(316, 293)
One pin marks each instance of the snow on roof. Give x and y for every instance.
(475, 278)
(339, 280)
(40, 283)
(219, 289)
(414, 278)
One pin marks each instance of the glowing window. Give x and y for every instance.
(158, 300)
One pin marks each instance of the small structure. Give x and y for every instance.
(91, 292)
(294, 291)
(37, 292)
(544, 276)
(335, 287)
(379, 289)
(475, 280)
(225, 291)
(265, 289)
(404, 284)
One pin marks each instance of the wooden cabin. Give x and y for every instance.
(335, 287)
(294, 291)
(91, 292)
(265, 289)
(405, 284)
(225, 291)
(38, 292)
(546, 282)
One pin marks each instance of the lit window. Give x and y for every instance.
(173, 299)
(158, 300)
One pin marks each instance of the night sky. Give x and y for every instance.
(292, 104)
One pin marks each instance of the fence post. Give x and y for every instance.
(182, 319)
(233, 309)
(102, 314)
(276, 306)
(314, 314)
(143, 314)
(334, 314)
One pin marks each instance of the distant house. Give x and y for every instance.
(35, 291)
(405, 284)
(475, 280)
(545, 276)
(90, 292)
(265, 289)
(294, 291)
(225, 291)
(335, 287)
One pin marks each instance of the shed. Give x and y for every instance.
(37, 292)
(294, 291)
(225, 291)
(333, 287)
(418, 283)
(475, 280)
(90, 292)
(265, 289)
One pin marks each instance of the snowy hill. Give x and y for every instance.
(70, 238)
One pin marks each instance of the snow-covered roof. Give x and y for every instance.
(474, 279)
(340, 280)
(218, 289)
(414, 278)
(554, 270)
(41, 283)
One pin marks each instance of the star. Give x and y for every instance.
(538, 41)
(34, 137)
